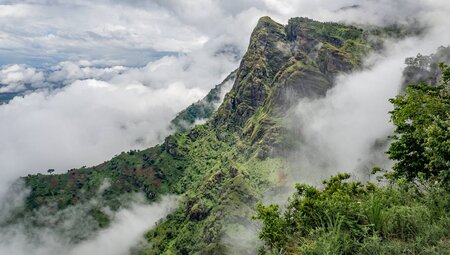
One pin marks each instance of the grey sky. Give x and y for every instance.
(39, 32)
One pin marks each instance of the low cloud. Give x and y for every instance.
(16, 78)
(86, 123)
(346, 131)
(72, 231)
(127, 229)
(68, 71)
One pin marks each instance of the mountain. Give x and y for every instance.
(225, 165)
(204, 108)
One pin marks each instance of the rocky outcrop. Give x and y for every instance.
(285, 63)
(265, 56)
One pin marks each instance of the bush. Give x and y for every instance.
(348, 217)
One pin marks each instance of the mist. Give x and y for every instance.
(73, 231)
(348, 129)
(84, 114)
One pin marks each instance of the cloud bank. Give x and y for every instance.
(65, 232)
(15, 78)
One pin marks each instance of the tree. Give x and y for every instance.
(421, 140)
(50, 171)
(437, 148)
(274, 227)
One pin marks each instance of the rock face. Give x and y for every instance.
(285, 63)
(223, 166)
(265, 56)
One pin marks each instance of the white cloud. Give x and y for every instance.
(103, 109)
(130, 30)
(339, 132)
(125, 231)
(84, 123)
(89, 29)
(14, 78)
(68, 71)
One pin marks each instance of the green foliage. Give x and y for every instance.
(100, 217)
(421, 140)
(222, 178)
(151, 172)
(273, 232)
(351, 218)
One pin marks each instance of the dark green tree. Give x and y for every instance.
(273, 231)
(421, 140)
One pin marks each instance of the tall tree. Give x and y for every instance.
(421, 143)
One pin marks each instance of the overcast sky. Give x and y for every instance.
(135, 32)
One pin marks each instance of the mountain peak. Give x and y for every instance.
(284, 63)
(265, 21)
